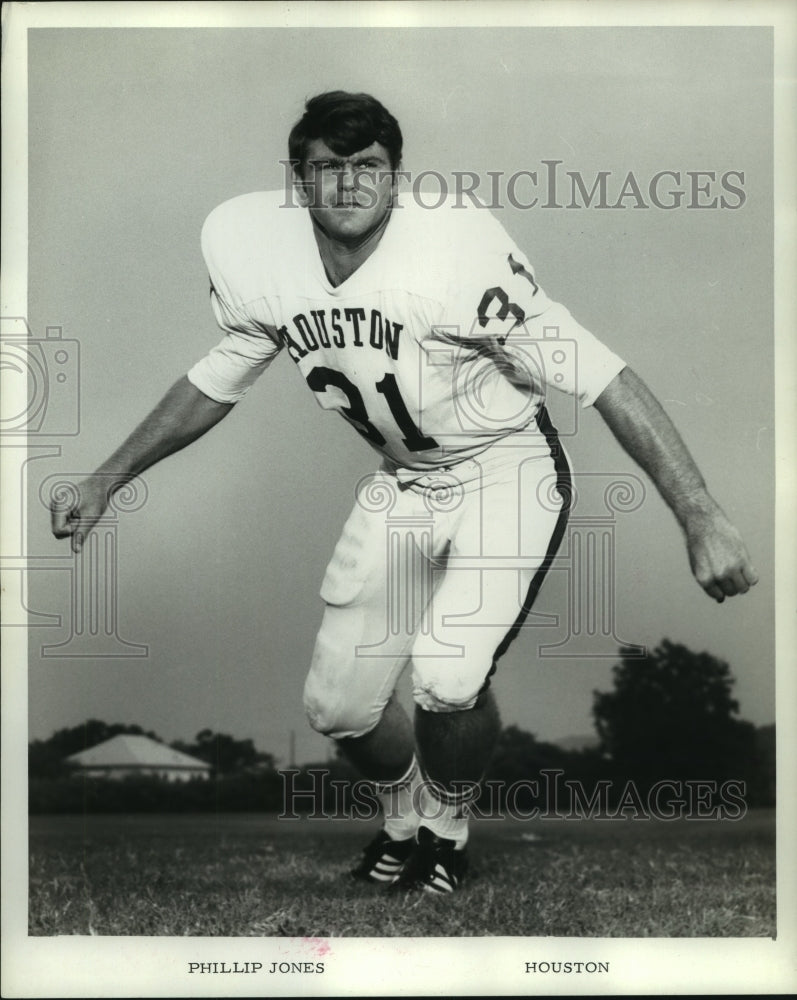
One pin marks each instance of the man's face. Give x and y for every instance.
(348, 196)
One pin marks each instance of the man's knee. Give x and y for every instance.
(331, 714)
(446, 690)
(330, 697)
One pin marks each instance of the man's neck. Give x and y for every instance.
(341, 258)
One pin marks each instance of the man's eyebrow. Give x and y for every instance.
(337, 161)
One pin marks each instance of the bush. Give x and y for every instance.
(146, 793)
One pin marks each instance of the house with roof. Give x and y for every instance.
(125, 755)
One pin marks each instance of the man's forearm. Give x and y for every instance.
(717, 555)
(640, 424)
(183, 415)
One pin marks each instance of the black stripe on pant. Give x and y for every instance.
(564, 485)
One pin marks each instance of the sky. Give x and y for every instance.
(135, 135)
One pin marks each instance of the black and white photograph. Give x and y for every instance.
(398, 499)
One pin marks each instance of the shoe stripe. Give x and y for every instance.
(378, 876)
(388, 869)
(438, 885)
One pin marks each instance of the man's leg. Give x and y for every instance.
(358, 659)
(479, 611)
(384, 754)
(351, 699)
(455, 749)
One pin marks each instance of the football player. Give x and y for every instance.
(428, 332)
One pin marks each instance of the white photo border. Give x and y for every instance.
(76, 967)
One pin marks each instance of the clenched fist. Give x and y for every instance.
(718, 557)
(74, 515)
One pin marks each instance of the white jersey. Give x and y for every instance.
(439, 345)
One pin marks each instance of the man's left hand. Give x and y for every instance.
(718, 557)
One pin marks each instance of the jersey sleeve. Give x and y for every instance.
(499, 306)
(555, 349)
(250, 341)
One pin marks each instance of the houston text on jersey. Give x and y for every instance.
(351, 325)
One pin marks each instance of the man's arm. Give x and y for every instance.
(717, 554)
(183, 415)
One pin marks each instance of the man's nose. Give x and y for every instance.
(346, 177)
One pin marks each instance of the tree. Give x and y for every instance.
(46, 757)
(519, 760)
(226, 754)
(672, 715)
(519, 755)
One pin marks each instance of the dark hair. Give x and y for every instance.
(346, 122)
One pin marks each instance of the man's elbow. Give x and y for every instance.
(624, 384)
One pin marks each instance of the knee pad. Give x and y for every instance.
(446, 688)
(332, 717)
(331, 698)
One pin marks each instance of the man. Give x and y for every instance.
(427, 331)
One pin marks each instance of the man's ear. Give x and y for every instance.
(397, 172)
(300, 187)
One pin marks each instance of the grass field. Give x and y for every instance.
(254, 875)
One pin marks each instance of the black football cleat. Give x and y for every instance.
(383, 859)
(435, 865)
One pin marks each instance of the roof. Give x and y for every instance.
(135, 751)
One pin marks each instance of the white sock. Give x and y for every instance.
(445, 819)
(397, 799)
